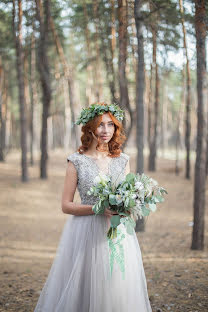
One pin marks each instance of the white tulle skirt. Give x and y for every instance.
(79, 279)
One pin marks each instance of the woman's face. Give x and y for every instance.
(106, 129)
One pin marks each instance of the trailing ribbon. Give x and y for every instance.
(117, 252)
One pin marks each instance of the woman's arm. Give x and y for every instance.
(70, 184)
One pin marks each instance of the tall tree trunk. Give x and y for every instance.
(43, 14)
(164, 113)
(89, 85)
(27, 95)
(109, 47)
(17, 29)
(200, 164)
(154, 111)
(188, 96)
(33, 101)
(140, 86)
(112, 83)
(97, 67)
(68, 74)
(3, 111)
(123, 85)
(179, 123)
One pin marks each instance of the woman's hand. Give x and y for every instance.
(109, 213)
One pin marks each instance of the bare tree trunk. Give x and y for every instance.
(112, 82)
(164, 113)
(200, 164)
(107, 51)
(154, 114)
(17, 29)
(140, 86)
(123, 85)
(150, 107)
(179, 123)
(146, 101)
(3, 111)
(27, 95)
(89, 85)
(33, 101)
(97, 67)
(68, 74)
(43, 67)
(188, 99)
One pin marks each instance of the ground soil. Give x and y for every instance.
(31, 223)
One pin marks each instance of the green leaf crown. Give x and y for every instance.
(98, 109)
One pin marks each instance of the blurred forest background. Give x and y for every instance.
(148, 56)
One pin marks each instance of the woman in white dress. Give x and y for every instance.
(79, 279)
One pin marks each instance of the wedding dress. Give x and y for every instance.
(79, 279)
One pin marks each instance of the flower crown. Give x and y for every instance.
(97, 109)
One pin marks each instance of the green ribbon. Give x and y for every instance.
(117, 252)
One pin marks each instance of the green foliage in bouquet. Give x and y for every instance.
(136, 195)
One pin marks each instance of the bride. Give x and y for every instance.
(79, 279)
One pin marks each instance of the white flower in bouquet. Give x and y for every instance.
(101, 179)
(153, 182)
(119, 199)
(148, 190)
(139, 186)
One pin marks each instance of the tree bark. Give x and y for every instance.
(164, 113)
(179, 123)
(34, 141)
(89, 84)
(43, 14)
(188, 96)
(68, 74)
(97, 67)
(123, 85)
(107, 51)
(200, 164)
(3, 111)
(154, 112)
(17, 29)
(140, 86)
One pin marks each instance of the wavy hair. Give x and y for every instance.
(114, 145)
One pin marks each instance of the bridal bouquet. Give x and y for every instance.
(135, 197)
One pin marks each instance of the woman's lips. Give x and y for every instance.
(104, 137)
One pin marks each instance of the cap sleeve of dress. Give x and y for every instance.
(74, 159)
(125, 156)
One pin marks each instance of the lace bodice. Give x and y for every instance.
(88, 169)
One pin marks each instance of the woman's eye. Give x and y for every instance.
(111, 124)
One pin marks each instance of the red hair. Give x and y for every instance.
(114, 144)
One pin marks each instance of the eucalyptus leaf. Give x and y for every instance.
(152, 207)
(145, 211)
(112, 199)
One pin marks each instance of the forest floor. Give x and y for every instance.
(31, 222)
